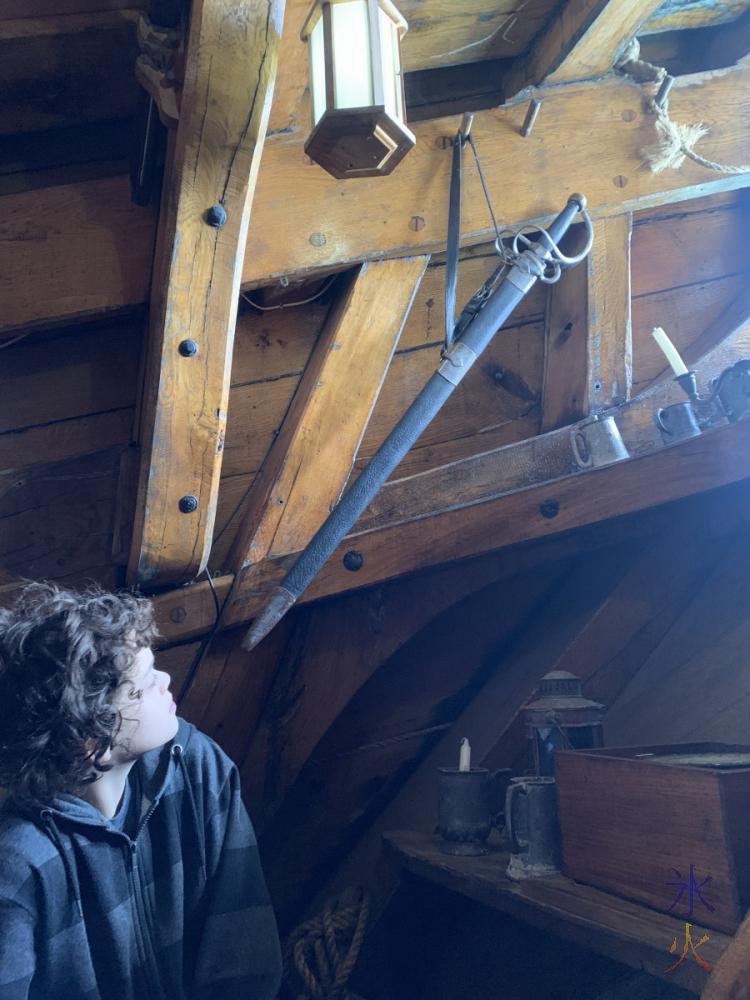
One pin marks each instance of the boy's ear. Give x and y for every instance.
(105, 758)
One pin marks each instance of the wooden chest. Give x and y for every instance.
(630, 823)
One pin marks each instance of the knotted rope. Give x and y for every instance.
(322, 952)
(676, 141)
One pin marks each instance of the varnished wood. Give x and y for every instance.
(75, 278)
(310, 462)
(582, 40)
(231, 66)
(626, 931)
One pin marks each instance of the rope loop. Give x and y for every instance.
(321, 953)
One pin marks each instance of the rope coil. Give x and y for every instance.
(321, 953)
(676, 142)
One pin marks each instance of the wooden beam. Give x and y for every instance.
(566, 333)
(582, 40)
(674, 15)
(405, 213)
(588, 361)
(498, 498)
(231, 66)
(312, 457)
(609, 362)
(708, 462)
(87, 253)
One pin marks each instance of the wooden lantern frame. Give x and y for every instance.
(360, 141)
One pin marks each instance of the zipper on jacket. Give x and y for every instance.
(142, 921)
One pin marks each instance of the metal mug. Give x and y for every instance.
(733, 390)
(597, 442)
(677, 422)
(532, 827)
(468, 808)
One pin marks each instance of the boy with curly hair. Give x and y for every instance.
(128, 865)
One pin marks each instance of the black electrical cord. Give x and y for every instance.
(203, 648)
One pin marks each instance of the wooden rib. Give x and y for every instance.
(565, 338)
(582, 40)
(588, 361)
(86, 252)
(231, 65)
(311, 459)
(609, 361)
(493, 500)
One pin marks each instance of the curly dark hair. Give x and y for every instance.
(63, 654)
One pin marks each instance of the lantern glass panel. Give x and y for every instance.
(317, 71)
(391, 68)
(352, 69)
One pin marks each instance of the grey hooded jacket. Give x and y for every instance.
(166, 901)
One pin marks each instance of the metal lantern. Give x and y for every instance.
(359, 123)
(560, 718)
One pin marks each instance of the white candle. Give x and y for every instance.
(670, 351)
(464, 763)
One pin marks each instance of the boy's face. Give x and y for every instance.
(148, 711)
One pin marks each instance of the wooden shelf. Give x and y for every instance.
(625, 931)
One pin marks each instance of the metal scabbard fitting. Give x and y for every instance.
(457, 360)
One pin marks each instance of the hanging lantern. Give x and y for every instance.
(560, 718)
(358, 110)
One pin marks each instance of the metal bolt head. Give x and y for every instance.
(549, 509)
(188, 503)
(318, 239)
(187, 348)
(353, 561)
(216, 216)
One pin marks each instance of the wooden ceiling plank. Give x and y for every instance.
(87, 250)
(582, 40)
(65, 70)
(673, 16)
(312, 457)
(231, 66)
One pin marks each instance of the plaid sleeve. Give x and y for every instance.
(239, 957)
(16, 950)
